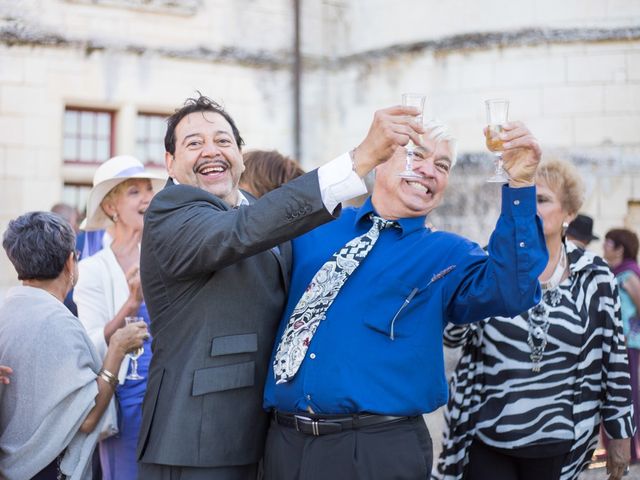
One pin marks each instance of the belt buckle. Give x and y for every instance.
(315, 428)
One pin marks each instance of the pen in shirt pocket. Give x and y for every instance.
(404, 304)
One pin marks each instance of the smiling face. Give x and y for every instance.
(396, 197)
(206, 155)
(129, 200)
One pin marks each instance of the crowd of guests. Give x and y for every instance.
(549, 331)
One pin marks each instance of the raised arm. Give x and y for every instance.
(505, 282)
(190, 232)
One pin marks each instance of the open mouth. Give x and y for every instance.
(212, 169)
(419, 187)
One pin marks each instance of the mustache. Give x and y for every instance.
(210, 163)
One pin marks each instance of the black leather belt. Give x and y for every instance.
(312, 424)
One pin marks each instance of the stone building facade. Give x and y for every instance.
(81, 80)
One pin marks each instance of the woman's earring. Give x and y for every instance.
(115, 218)
(565, 225)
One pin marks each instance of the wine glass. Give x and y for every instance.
(412, 100)
(497, 115)
(134, 375)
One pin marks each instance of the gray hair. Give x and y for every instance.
(439, 132)
(38, 244)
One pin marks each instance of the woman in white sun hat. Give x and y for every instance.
(108, 290)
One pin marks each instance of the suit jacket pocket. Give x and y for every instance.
(231, 344)
(227, 377)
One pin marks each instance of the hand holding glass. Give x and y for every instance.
(133, 375)
(412, 100)
(497, 116)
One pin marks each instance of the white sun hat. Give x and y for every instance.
(111, 173)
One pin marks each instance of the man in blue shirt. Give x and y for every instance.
(353, 407)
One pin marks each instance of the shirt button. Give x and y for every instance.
(312, 356)
(522, 244)
(516, 202)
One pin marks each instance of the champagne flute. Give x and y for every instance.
(134, 375)
(412, 100)
(497, 115)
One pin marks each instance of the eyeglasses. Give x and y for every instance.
(76, 255)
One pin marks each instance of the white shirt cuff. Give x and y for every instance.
(338, 182)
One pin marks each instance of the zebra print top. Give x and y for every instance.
(583, 375)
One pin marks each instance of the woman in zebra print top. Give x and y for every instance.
(530, 392)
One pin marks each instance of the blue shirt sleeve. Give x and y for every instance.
(504, 282)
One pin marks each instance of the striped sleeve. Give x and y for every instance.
(617, 416)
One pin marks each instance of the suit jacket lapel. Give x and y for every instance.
(283, 258)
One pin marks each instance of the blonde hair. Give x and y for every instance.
(565, 180)
(118, 188)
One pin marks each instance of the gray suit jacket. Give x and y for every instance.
(215, 292)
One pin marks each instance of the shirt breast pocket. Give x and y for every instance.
(391, 307)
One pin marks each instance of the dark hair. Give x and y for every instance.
(192, 105)
(622, 237)
(266, 170)
(38, 244)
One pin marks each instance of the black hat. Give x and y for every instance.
(582, 229)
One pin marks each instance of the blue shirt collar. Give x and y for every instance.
(407, 225)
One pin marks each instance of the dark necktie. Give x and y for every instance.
(318, 297)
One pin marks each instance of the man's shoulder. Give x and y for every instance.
(449, 237)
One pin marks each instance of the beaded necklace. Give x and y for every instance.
(538, 318)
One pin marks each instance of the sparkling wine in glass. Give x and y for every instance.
(412, 100)
(497, 115)
(134, 375)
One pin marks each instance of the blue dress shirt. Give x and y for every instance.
(379, 348)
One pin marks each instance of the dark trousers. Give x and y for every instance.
(400, 451)
(51, 471)
(486, 462)
(152, 471)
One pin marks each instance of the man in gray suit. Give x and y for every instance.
(215, 269)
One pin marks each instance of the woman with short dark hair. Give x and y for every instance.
(51, 412)
(620, 250)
